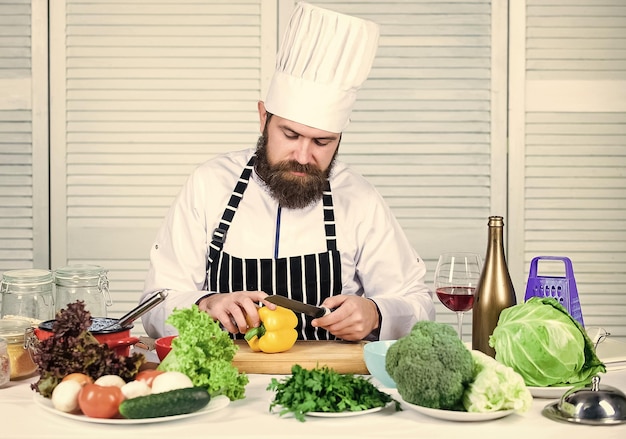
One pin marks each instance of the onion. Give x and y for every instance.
(65, 396)
(110, 380)
(171, 380)
(134, 389)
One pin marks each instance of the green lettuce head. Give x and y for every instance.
(545, 345)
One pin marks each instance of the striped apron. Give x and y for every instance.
(309, 278)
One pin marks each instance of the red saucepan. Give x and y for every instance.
(117, 338)
(115, 333)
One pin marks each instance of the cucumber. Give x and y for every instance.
(157, 405)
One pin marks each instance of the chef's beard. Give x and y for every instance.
(291, 191)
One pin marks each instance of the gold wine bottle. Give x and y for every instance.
(494, 290)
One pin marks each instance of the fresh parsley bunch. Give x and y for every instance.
(322, 389)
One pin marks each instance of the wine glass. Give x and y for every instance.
(456, 277)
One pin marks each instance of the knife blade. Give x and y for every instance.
(297, 306)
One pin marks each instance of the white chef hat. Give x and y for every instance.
(323, 60)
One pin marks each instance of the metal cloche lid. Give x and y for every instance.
(591, 405)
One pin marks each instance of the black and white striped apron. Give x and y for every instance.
(309, 278)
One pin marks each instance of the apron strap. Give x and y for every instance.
(329, 218)
(219, 234)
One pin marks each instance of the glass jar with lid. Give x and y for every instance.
(15, 331)
(85, 282)
(28, 293)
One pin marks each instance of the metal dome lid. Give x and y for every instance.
(590, 405)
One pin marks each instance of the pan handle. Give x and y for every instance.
(128, 341)
(143, 308)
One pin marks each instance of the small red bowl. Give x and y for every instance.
(163, 346)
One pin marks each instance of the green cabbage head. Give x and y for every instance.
(544, 344)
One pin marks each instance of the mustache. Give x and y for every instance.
(294, 166)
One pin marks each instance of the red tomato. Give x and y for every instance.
(148, 376)
(81, 378)
(100, 402)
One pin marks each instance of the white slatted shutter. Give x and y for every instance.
(421, 126)
(573, 164)
(23, 135)
(423, 130)
(147, 90)
(152, 88)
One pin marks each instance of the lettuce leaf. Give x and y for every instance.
(545, 345)
(495, 387)
(204, 352)
(73, 348)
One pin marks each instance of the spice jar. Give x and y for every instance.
(5, 363)
(27, 293)
(20, 359)
(85, 282)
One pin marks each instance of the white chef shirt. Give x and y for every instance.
(377, 260)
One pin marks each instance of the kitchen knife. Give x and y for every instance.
(297, 306)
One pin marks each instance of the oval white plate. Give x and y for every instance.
(217, 403)
(548, 392)
(451, 415)
(345, 414)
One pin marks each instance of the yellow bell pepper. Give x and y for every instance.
(276, 332)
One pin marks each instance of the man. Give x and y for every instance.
(287, 218)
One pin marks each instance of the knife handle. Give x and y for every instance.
(323, 312)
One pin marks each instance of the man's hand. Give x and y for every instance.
(231, 309)
(354, 317)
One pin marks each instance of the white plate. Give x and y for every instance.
(451, 415)
(217, 403)
(346, 413)
(551, 392)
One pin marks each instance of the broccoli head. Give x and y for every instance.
(431, 366)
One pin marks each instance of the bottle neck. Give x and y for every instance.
(496, 241)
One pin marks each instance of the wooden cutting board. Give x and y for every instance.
(343, 357)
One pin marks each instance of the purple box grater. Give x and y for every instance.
(562, 289)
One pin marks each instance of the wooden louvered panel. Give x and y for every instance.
(17, 189)
(150, 96)
(575, 155)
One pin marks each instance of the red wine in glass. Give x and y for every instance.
(458, 299)
(456, 277)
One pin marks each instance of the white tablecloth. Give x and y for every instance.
(21, 417)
